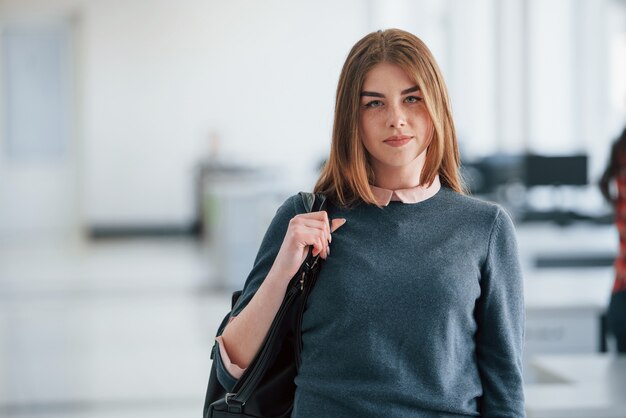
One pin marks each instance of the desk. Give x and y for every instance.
(577, 386)
(564, 305)
(563, 309)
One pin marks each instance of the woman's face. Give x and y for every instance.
(395, 125)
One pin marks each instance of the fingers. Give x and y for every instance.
(318, 220)
(321, 248)
(315, 229)
(310, 236)
(317, 224)
(337, 223)
(322, 217)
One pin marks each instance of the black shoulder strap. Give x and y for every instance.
(269, 349)
(313, 202)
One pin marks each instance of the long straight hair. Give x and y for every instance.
(348, 173)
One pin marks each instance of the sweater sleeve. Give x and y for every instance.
(500, 319)
(270, 245)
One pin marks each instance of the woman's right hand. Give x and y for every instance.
(245, 333)
(304, 230)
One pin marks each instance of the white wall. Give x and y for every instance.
(156, 80)
(159, 79)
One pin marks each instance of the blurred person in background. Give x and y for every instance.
(615, 175)
(419, 310)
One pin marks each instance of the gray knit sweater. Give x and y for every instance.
(417, 312)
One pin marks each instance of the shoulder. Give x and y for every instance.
(291, 207)
(477, 214)
(471, 207)
(293, 203)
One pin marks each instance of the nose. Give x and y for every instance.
(396, 117)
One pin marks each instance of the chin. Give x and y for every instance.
(402, 162)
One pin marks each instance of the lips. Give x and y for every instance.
(397, 140)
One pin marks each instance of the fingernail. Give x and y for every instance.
(327, 251)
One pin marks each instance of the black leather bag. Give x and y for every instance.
(266, 389)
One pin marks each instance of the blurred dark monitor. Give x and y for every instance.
(566, 170)
(487, 174)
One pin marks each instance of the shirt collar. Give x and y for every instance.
(411, 195)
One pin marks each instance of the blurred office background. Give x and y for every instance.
(145, 145)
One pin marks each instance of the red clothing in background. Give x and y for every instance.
(620, 222)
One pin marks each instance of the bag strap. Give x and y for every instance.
(313, 202)
(263, 359)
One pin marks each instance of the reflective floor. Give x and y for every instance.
(119, 328)
(123, 328)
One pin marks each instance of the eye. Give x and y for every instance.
(413, 99)
(373, 103)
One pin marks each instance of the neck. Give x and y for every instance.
(404, 177)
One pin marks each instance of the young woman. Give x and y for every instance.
(419, 310)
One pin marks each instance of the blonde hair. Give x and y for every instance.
(347, 175)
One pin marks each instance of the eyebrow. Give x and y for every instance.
(374, 94)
